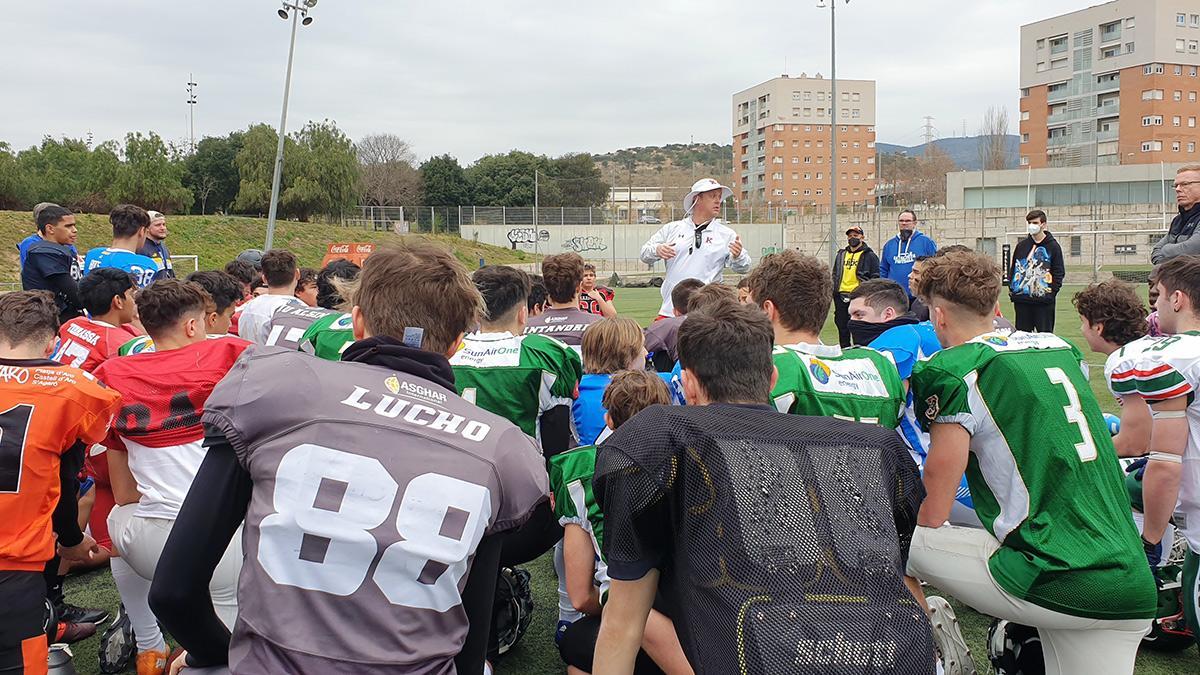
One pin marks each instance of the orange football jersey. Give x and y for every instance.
(45, 408)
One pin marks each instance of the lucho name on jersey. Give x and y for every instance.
(392, 407)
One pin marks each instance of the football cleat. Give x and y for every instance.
(952, 648)
(1014, 649)
(70, 633)
(75, 614)
(117, 645)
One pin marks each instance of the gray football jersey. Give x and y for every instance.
(565, 325)
(372, 490)
(288, 323)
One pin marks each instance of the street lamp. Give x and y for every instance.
(833, 169)
(300, 16)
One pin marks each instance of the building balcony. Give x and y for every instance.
(1111, 135)
(1109, 108)
(1060, 141)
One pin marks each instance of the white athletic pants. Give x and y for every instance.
(955, 560)
(140, 542)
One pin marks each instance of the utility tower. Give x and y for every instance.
(191, 90)
(930, 132)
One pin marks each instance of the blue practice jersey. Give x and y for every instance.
(588, 408)
(143, 269)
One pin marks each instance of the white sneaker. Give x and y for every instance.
(952, 647)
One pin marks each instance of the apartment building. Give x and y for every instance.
(781, 141)
(1116, 83)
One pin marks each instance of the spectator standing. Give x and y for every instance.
(700, 245)
(854, 264)
(155, 247)
(1181, 239)
(1035, 276)
(902, 250)
(52, 265)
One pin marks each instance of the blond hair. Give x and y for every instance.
(610, 345)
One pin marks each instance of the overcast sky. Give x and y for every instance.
(473, 77)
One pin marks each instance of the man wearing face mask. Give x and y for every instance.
(852, 265)
(902, 250)
(1035, 276)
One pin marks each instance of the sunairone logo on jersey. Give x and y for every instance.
(1014, 342)
(858, 377)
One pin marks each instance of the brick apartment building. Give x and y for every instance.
(781, 137)
(1116, 83)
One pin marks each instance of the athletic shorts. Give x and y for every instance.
(23, 645)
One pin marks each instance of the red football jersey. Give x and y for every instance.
(86, 343)
(163, 393)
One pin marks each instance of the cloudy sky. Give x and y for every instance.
(473, 77)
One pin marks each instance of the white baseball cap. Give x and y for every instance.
(155, 215)
(704, 185)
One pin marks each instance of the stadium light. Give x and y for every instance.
(833, 118)
(300, 11)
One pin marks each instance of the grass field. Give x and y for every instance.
(536, 653)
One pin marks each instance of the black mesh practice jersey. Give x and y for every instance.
(781, 539)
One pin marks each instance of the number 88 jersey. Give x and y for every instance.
(371, 493)
(1042, 471)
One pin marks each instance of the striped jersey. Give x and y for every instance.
(1168, 368)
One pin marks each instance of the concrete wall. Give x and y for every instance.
(616, 247)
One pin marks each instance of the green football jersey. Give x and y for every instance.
(328, 337)
(575, 504)
(1042, 471)
(517, 377)
(856, 384)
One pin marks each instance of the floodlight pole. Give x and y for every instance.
(287, 86)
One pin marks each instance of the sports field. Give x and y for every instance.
(536, 653)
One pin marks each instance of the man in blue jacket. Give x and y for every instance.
(900, 252)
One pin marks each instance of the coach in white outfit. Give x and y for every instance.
(700, 245)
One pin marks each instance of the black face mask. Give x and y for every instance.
(854, 242)
(863, 333)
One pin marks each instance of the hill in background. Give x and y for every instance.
(965, 152)
(218, 239)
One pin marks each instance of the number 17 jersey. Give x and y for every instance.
(371, 494)
(1043, 473)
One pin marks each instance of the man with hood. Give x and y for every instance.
(700, 245)
(902, 250)
(852, 265)
(1035, 275)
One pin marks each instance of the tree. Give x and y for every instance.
(212, 174)
(68, 171)
(994, 150)
(325, 173)
(149, 177)
(444, 182)
(14, 186)
(508, 180)
(255, 163)
(578, 181)
(387, 176)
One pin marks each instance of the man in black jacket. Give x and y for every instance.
(1035, 276)
(1182, 238)
(853, 264)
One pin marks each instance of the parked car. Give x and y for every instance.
(649, 220)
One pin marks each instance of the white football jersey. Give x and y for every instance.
(1167, 369)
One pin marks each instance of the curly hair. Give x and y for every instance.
(799, 286)
(969, 280)
(1116, 307)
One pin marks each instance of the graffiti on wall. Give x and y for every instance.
(582, 244)
(526, 236)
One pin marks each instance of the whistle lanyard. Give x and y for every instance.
(699, 237)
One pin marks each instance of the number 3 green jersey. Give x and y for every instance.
(1042, 471)
(856, 384)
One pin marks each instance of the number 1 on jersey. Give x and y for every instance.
(1074, 412)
